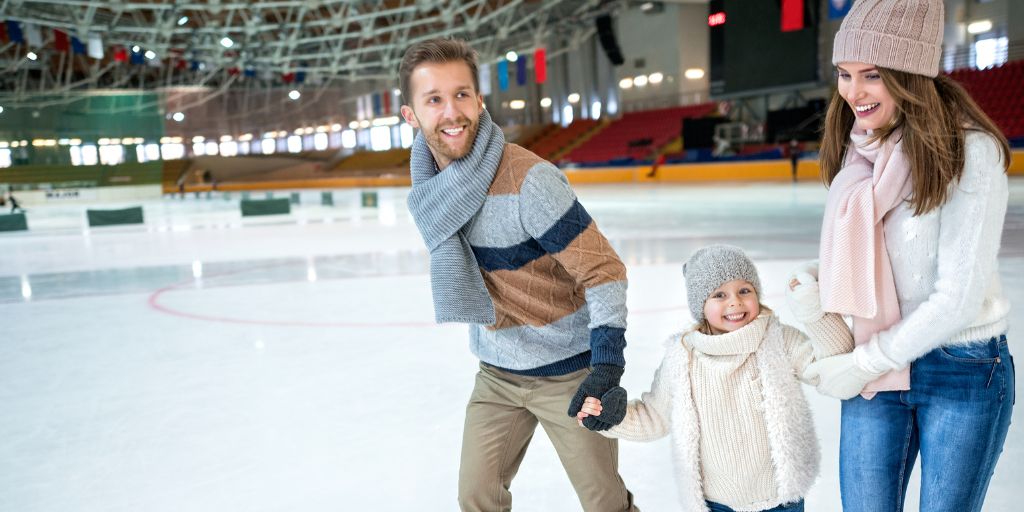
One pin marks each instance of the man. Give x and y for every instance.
(513, 254)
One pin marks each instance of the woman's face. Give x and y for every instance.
(865, 92)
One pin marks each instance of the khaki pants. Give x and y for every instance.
(501, 417)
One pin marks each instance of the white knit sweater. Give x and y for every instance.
(742, 432)
(945, 262)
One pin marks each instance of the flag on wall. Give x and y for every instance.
(121, 55)
(60, 41)
(540, 65)
(385, 98)
(838, 8)
(792, 15)
(3, 31)
(521, 70)
(95, 44)
(503, 75)
(77, 47)
(33, 35)
(377, 104)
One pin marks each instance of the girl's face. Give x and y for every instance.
(862, 88)
(731, 306)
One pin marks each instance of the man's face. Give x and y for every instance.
(446, 107)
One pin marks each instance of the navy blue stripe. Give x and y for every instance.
(563, 367)
(554, 240)
(607, 344)
(573, 222)
(508, 258)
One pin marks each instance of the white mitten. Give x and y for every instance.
(804, 299)
(840, 376)
(808, 267)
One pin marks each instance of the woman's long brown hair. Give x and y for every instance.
(934, 115)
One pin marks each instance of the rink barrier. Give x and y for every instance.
(13, 222)
(120, 216)
(280, 206)
(744, 171)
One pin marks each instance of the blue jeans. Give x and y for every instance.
(956, 414)
(797, 506)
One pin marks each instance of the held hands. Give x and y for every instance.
(602, 386)
(841, 376)
(802, 295)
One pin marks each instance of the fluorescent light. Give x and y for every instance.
(32, 56)
(353, 125)
(626, 83)
(178, 116)
(150, 54)
(517, 104)
(226, 42)
(511, 56)
(545, 102)
(574, 98)
(136, 49)
(294, 94)
(182, 20)
(979, 27)
(640, 81)
(694, 73)
(655, 78)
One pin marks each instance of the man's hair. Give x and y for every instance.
(437, 51)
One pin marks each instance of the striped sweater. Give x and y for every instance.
(558, 287)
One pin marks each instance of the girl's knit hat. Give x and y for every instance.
(711, 267)
(905, 35)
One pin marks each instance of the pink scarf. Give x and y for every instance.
(855, 273)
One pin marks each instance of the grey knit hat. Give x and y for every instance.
(905, 35)
(711, 267)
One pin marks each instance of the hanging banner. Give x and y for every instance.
(540, 65)
(95, 45)
(837, 9)
(485, 79)
(503, 75)
(792, 15)
(521, 70)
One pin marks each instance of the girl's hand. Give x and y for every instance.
(591, 407)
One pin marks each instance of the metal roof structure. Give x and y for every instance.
(57, 52)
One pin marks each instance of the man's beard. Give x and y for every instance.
(436, 140)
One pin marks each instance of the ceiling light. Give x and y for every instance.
(226, 42)
(646, 6)
(517, 104)
(294, 94)
(640, 81)
(353, 125)
(694, 73)
(574, 98)
(979, 27)
(178, 116)
(545, 102)
(511, 56)
(626, 83)
(136, 49)
(150, 54)
(655, 78)
(182, 20)
(32, 56)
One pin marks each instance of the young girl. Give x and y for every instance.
(727, 390)
(909, 245)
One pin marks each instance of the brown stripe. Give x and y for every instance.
(592, 258)
(516, 162)
(536, 294)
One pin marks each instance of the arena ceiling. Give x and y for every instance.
(55, 52)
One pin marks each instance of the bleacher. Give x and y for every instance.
(374, 162)
(556, 142)
(998, 92)
(636, 135)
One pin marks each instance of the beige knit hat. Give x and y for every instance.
(905, 35)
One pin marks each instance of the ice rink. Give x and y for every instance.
(206, 362)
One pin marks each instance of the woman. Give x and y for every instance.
(917, 197)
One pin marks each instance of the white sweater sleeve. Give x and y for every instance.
(971, 226)
(648, 418)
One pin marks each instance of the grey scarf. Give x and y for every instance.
(442, 203)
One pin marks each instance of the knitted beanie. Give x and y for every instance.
(711, 267)
(905, 35)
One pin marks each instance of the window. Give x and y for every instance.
(380, 138)
(5, 157)
(320, 141)
(268, 146)
(990, 52)
(348, 139)
(171, 151)
(294, 144)
(111, 154)
(406, 135)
